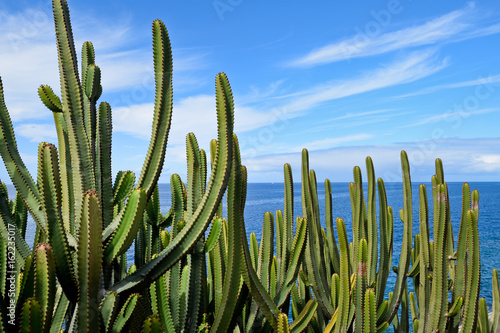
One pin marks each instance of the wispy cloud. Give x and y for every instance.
(353, 119)
(416, 65)
(331, 142)
(452, 116)
(458, 25)
(483, 81)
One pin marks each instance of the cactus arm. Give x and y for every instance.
(61, 305)
(194, 164)
(334, 289)
(439, 293)
(108, 308)
(45, 282)
(424, 293)
(385, 244)
(470, 307)
(256, 288)
(455, 307)
(213, 235)
(125, 313)
(123, 185)
(258, 291)
(319, 260)
(91, 86)
(332, 242)
(461, 253)
(15, 166)
(217, 260)
(89, 262)
(49, 98)
(184, 291)
(66, 171)
(496, 300)
(31, 320)
(279, 251)
(297, 255)
(287, 217)
(372, 236)
(236, 194)
(196, 226)
(164, 310)
(50, 188)
(152, 324)
(283, 323)
(361, 284)
(314, 255)
(266, 250)
(357, 204)
(20, 214)
(370, 312)
(343, 306)
(155, 156)
(304, 318)
(27, 281)
(103, 162)
(196, 260)
(196, 287)
(404, 259)
(72, 99)
(126, 226)
(483, 321)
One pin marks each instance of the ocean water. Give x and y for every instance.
(263, 197)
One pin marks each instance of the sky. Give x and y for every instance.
(345, 80)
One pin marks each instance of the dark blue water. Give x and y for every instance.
(262, 197)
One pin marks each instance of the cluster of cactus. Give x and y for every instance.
(75, 276)
(343, 278)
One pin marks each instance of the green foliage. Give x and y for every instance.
(76, 277)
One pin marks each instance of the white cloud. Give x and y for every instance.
(37, 132)
(195, 114)
(487, 163)
(136, 120)
(28, 56)
(451, 27)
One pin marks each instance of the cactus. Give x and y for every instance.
(354, 266)
(439, 266)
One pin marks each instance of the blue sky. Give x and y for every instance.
(343, 79)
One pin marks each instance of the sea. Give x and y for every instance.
(264, 197)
